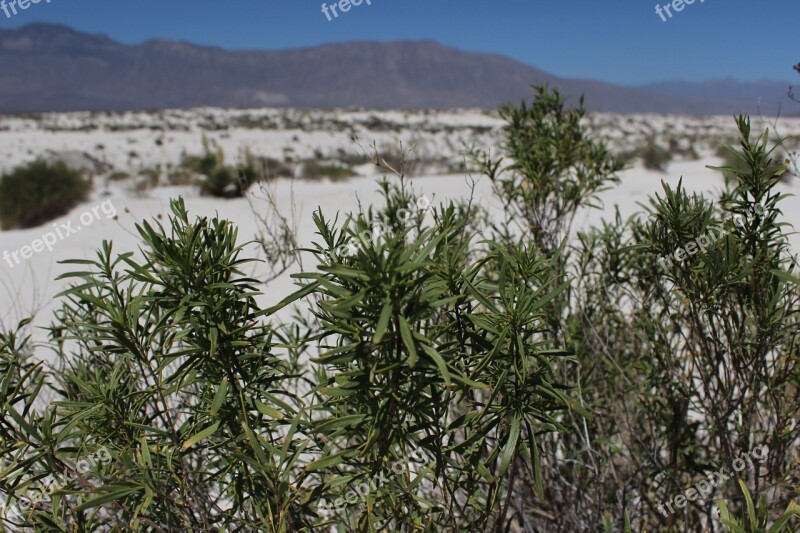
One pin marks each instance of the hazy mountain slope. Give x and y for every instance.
(766, 94)
(53, 68)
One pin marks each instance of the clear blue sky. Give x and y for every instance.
(621, 41)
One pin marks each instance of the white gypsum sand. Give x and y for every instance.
(126, 142)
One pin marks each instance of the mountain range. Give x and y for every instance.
(49, 67)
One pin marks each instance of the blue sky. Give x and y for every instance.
(621, 41)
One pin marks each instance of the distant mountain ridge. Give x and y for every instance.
(54, 68)
(765, 93)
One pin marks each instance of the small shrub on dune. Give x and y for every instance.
(654, 157)
(202, 164)
(314, 170)
(118, 175)
(39, 192)
(229, 182)
(222, 180)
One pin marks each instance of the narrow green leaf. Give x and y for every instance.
(549, 296)
(751, 511)
(145, 451)
(439, 361)
(269, 411)
(536, 462)
(338, 422)
(200, 436)
(511, 446)
(383, 322)
(212, 338)
(408, 340)
(325, 462)
(111, 495)
(219, 397)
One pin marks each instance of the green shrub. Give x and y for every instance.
(686, 364)
(181, 176)
(312, 169)
(689, 152)
(654, 157)
(552, 168)
(221, 180)
(468, 375)
(202, 164)
(180, 394)
(118, 175)
(39, 192)
(229, 182)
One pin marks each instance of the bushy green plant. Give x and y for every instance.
(221, 180)
(118, 175)
(516, 382)
(39, 192)
(313, 169)
(687, 364)
(551, 168)
(423, 347)
(165, 364)
(654, 157)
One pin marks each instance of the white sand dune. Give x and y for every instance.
(30, 288)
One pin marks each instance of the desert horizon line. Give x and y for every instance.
(420, 41)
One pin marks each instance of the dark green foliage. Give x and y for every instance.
(654, 157)
(39, 192)
(413, 331)
(313, 169)
(221, 180)
(554, 168)
(522, 382)
(690, 366)
(204, 164)
(170, 371)
(228, 182)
